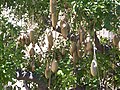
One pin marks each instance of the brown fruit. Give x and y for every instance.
(49, 47)
(63, 51)
(22, 38)
(115, 40)
(52, 6)
(39, 57)
(27, 40)
(81, 36)
(54, 66)
(73, 48)
(65, 29)
(33, 68)
(79, 53)
(75, 57)
(47, 72)
(89, 46)
(31, 35)
(50, 38)
(78, 45)
(31, 52)
(93, 68)
(54, 19)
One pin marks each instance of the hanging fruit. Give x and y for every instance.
(115, 40)
(53, 4)
(81, 36)
(47, 71)
(93, 68)
(89, 47)
(27, 40)
(50, 38)
(65, 30)
(73, 48)
(75, 57)
(63, 51)
(33, 68)
(31, 35)
(23, 39)
(54, 20)
(31, 52)
(39, 57)
(54, 66)
(49, 47)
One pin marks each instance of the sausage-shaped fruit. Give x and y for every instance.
(93, 68)
(73, 48)
(54, 66)
(50, 38)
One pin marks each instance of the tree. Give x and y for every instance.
(68, 48)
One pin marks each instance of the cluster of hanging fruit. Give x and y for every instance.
(25, 39)
(53, 66)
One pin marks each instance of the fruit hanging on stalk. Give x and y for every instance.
(47, 71)
(50, 38)
(93, 68)
(54, 66)
(63, 51)
(27, 40)
(53, 4)
(75, 57)
(33, 66)
(79, 52)
(65, 30)
(39, 57)
(73, 48)
(115, 40)
(31, 35)
(89, 47)
(54, 19)
(31, 52)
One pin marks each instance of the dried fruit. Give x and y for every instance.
(54, 66)
(93, 68)
(115, 40)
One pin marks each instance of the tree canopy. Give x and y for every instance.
(56, 42)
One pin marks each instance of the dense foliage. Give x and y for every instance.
(90, 15)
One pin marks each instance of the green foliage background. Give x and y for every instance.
(100, 13)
